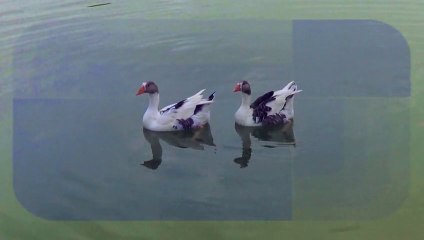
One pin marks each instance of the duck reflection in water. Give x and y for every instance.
(194, 139)
(272, 136)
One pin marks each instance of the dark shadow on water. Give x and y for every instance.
(272, 136)
(99, 5)
(195, 139)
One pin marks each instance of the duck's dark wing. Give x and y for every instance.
(260, 108)
(264, 99)
(180, 110)
(173, 106)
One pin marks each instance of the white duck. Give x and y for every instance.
(187, 114)
(272, 108)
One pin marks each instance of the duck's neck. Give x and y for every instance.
(245, 100)
(153, 102)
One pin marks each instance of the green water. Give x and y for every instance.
(74, 149)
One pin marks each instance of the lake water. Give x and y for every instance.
(80, 153)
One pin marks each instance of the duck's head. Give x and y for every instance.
(148, 87)
(243, 86)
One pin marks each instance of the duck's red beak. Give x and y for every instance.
(141, 90)
(237, 87)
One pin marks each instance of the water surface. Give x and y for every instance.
(80, 153)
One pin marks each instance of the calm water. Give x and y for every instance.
(80, 153)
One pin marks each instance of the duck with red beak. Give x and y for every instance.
(190, 113)
(272, 108)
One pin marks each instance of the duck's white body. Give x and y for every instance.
(243, 115)
(189, 113)
(272, 108)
